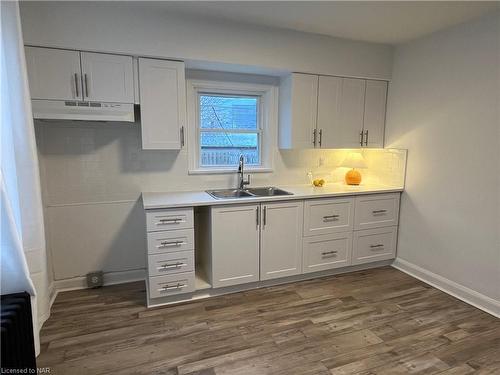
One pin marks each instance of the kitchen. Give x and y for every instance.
(139, 138)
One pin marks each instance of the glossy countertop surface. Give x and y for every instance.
(157, 200)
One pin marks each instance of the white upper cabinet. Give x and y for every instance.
(331, 112)
(281, 240)
(374, 119)
(330, 127)
(298, 111)
(54, 74)
(108, 78)
(162, 89)
(57, 74)
(352, 112)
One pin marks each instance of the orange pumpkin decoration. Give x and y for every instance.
(353, 177)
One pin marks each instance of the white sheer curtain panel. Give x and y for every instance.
(23, 254)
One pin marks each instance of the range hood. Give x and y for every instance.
(78, 110)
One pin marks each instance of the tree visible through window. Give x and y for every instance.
(229, 126)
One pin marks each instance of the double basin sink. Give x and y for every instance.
(268, 191)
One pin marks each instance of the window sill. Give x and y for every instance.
(230, 170)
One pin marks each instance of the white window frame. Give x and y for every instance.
(268, 122)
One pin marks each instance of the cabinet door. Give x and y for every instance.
(281, 240)
(235, 245)
(329, 124)
(162, 89)
(327, 252)
(298, 111)
(374, 119)
(372, 245)
(107, 78)
(325, 216)
(374, 211)
(54, 74)
(352, 105)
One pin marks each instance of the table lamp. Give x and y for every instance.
(353, 160)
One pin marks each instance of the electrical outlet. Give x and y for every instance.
(95, 279)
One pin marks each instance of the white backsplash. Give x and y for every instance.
(100, 162)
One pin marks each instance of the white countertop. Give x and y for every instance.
(155, 200)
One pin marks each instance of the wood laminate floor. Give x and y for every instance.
(379, 321)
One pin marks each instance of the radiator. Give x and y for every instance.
(18, 346)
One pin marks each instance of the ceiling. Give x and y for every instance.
(391, 22)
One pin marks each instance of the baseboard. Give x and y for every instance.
(110, 278)
(476, 299)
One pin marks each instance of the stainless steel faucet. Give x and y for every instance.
(241, 179)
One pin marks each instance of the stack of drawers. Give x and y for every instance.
(171, 264)
(375, 227)
(339, 232)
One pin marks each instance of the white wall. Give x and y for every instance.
(444, 108)
(129, 28)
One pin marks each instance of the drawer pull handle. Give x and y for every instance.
(169, 221)
(375, 247)
(331, 217)
(330, 253)
(164, 244)
(171, 266)
(171, 287)
(379, 212)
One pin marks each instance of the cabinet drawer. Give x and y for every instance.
(327, 252)
(325, 216)
(172, 240)
(169, 219)
(372, 245)
(169, 285)
(169, 263)
(375, 211)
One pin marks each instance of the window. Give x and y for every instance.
(227, 120)
(229, 127)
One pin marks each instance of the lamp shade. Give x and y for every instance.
(354, 160)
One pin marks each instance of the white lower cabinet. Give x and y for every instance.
(169, 263)
(326, 252)
(169, 285)
(324, 216)
(281, 239)
(235, 244)
(372, 245)
(244, 243)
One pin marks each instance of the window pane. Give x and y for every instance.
(224, 149)
(228, 112)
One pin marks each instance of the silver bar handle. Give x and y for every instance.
(361, 138)
(77, 92)
(164, 244)
(86, 85)
(320, 137)
(333, 252)
(168, 221)
(366, 137)
(376, 246)
(257, 216)
(330, 217)
(170, 266)
(314, 137)
(182, 136)
(264, 216)
(379, 212)
(170, 287)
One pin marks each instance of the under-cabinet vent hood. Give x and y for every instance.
(78, 110)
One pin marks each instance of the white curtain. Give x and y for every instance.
(23, 254)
